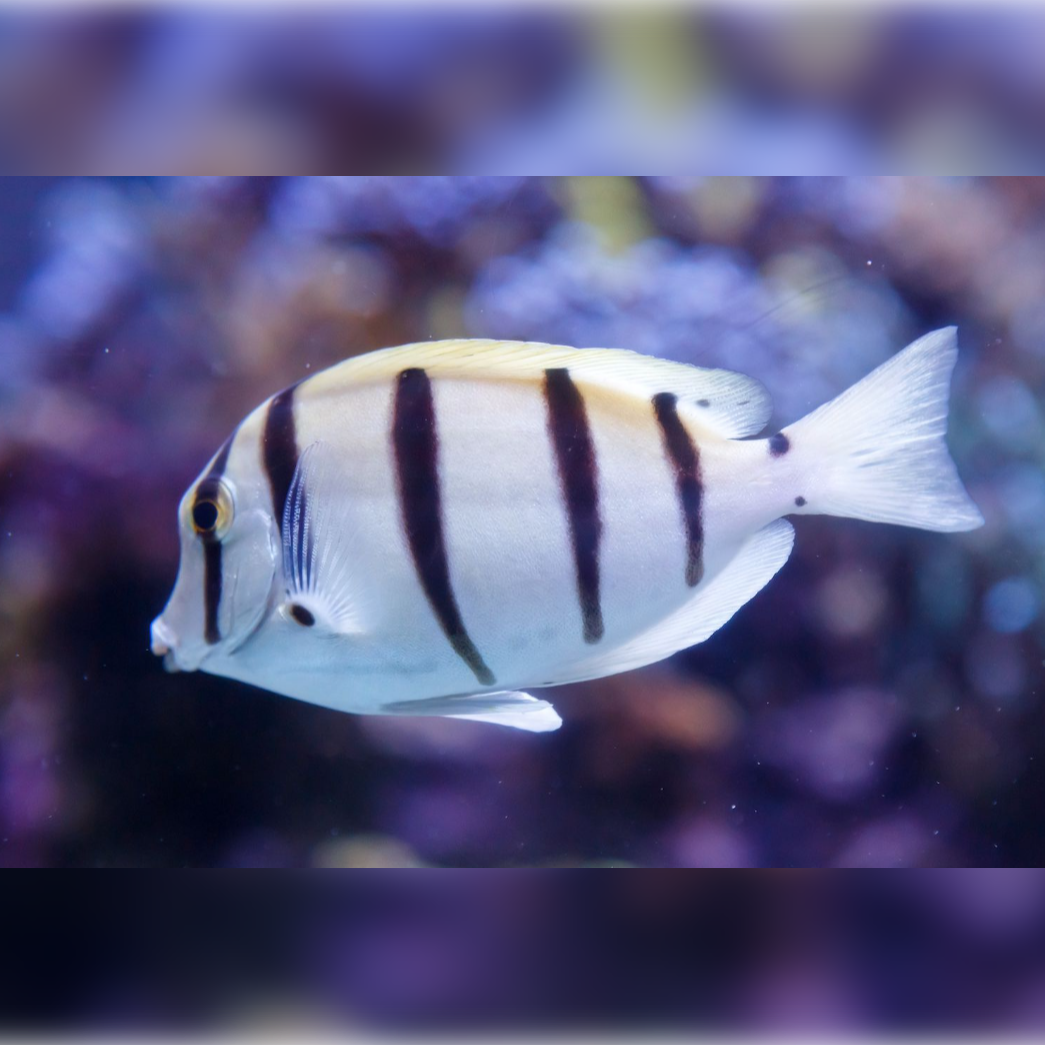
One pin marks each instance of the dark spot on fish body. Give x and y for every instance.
(685, 461)
(703, 402)
(779, 444)
(415, 445)
(570, 435)
(279, 449)
(303, 616)
(800, 502)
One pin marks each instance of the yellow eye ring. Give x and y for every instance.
(211, 510)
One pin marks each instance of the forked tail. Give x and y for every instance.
(878, 451)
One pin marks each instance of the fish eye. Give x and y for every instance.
(204, 516)
(211, 510)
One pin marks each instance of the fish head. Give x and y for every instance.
(227, 576)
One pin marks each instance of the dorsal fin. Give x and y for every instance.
(751, 569)
(729, 404)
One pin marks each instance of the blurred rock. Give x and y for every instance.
(364, 851)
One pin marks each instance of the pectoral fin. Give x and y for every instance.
(322, 591)
(507, 708)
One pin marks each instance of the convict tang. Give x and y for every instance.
(437, 528)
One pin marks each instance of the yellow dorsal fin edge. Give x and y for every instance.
(730, 404)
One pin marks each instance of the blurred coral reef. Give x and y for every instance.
(880, 704)
(795, 90)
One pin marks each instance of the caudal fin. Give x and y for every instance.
(878, 451)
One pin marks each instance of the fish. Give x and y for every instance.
(441, 528)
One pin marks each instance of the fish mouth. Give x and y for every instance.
(177, 658)
(161, 640)
(163, 644)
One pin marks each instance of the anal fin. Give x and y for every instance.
(506, 708)
(750, 570)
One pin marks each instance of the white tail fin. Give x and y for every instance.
(878, 451)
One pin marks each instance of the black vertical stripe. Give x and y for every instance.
(217, 470)
(578, 474)
(279, 449)
(415, 443)
(685, 460)
(211, 590)
(212, 569)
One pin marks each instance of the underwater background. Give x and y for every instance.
(522, 89)
(879, 704)
(532, 955)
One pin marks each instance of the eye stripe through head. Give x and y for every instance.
(212, 568)
(212, 582)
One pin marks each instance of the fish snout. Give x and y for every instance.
(162, 644)
(162, 639)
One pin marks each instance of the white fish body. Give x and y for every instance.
(437, 528)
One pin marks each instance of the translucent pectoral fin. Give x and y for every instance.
(322, 590)
(507, 708)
